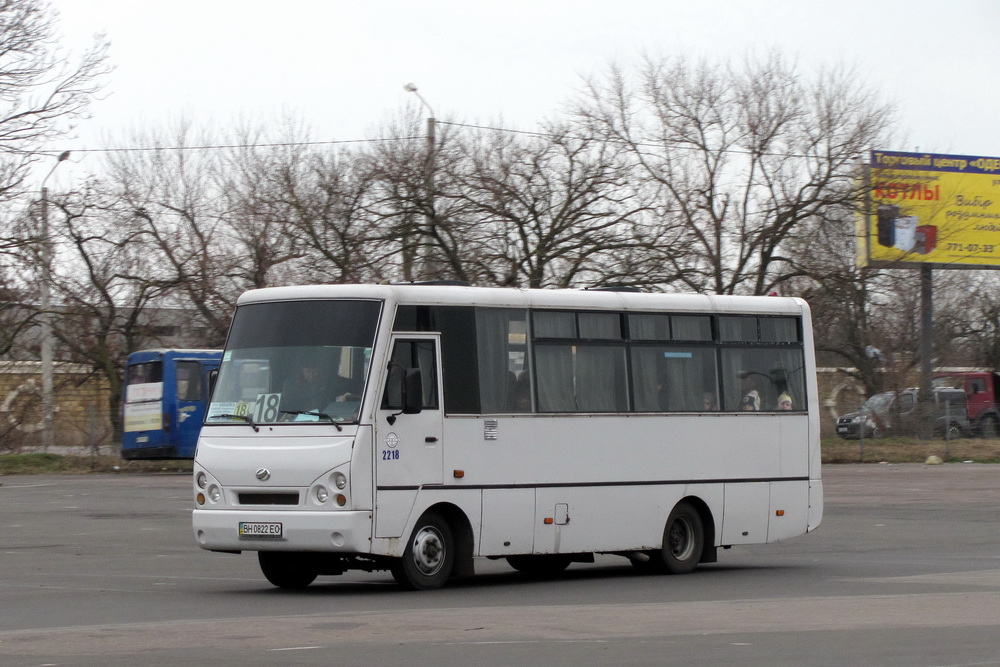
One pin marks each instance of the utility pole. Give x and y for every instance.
(926, 351)
(425, 269)
(48, 351)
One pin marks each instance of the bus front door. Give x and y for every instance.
(409, 452)
(409, 448)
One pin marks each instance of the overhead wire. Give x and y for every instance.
(333, 142)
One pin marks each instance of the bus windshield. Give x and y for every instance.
(295, 361)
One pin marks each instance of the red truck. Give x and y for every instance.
(982, 390)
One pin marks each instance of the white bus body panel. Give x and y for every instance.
(343, 531)
(506, 515)
(295, 457)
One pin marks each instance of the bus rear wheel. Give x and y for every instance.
(648, 562)
(287, 570)
(429, 557)
(683, 539)
(539, 564)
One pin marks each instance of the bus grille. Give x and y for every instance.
(269, 499)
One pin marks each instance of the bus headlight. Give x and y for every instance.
(201, 479)
(322, 495)
(214, 493)
(339, 480)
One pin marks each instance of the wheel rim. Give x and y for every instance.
(428, 551)
(681, 538)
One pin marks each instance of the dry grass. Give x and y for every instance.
(48, 464)
(910, 450)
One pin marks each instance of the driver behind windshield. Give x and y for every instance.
(311, 390)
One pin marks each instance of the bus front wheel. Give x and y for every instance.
(286, 570)
(683, 539)
(429, 557)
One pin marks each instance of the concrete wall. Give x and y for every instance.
(81, 415)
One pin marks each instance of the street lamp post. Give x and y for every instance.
(47, 353)
(424, 269)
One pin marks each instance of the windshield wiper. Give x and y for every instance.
(315, 413)
(245, 418)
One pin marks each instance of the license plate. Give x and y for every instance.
(260, 529)
(841, 429)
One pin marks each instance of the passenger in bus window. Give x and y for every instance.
(708, 402)
(751, 392)
(751, 401)
(785, 401)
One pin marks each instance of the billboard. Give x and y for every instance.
(934, 210)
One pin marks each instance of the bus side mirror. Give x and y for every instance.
(213, 375)
(413, 392)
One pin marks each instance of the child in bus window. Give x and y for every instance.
(751, 401)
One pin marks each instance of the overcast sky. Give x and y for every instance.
(340, 64)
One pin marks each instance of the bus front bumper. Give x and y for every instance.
(343, 532)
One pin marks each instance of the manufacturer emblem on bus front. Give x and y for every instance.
(391, 440)
(263, 474)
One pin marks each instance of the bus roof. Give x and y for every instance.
(533, 298)
(141, 356)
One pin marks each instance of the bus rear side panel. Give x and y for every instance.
(166, 392)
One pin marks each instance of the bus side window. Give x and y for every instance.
(189, 386)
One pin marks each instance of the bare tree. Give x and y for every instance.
(736, 158)
(171, 194)
(550, 209)
(422, 223)
(102, 286)
(260, 247)
(42, 90)
(320, 199)
(972, 318)
(844, 298)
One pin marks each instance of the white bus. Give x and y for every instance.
(413, 428)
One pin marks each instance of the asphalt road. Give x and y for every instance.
(905, 570)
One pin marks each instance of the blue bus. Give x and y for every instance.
(164, 401)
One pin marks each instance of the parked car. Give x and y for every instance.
(895, 412)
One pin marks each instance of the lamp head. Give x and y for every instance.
(410, 87)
